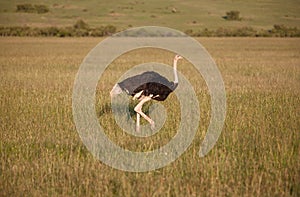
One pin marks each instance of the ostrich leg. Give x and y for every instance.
(138, 109)
(138, 116)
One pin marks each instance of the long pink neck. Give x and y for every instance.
(175, 71)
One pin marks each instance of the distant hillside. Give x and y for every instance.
(178, 14)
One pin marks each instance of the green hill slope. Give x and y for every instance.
(182, 15)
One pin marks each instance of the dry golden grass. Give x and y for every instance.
(257, 153)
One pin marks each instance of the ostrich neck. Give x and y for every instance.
(175, 71)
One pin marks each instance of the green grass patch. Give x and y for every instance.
(175, 14)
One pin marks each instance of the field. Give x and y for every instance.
(181, 15)
(257, 153)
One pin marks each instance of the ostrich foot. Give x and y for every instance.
(152, 124)
(138, 129)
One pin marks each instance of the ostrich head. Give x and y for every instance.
(177, 57)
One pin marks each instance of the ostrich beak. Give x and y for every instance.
(178, 57)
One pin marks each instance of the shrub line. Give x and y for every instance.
(81, 29)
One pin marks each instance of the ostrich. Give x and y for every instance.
(145, 87)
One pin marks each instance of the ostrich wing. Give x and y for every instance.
(132, 84)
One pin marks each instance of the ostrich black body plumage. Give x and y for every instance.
(145, 87)
(150, 83)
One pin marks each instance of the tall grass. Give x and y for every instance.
(256, 154)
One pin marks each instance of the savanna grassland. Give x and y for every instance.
(257, 154)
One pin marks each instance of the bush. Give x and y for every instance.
(80, 24)
(189, 32)
(49, 31)
(25, 8)
(81, 32)
(29, 8)
(276, 31)
(244, 32)
(81, 28)
(40, 9)
(283, 31)
(232, 15)
(97, 32)
(109, 30)
(66, 32)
